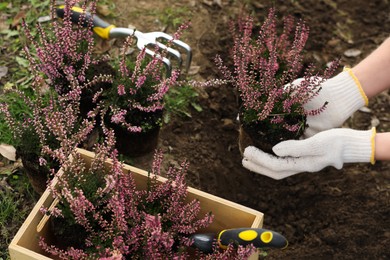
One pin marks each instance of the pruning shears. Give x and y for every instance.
(144, 40)
(259, 237)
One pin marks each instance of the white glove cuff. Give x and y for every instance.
(348, 90)
(360, 147)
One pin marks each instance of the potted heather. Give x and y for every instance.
(265, 64)
(36, 129)
(23, 137)
(63, 86)
(62, 58)
(135, 104)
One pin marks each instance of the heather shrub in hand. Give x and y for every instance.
(265, 63)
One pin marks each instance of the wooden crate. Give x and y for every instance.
(228, 214)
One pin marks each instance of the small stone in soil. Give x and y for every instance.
(228, 124)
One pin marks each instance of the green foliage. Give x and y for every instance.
(179, 101)
(172, 16)
(6, 134)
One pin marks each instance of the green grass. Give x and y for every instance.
(16, 201)
(12, 39)
(180, 101)
(19, 110)
(173, 16)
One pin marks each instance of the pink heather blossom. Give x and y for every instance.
(55, 212)
(140, 81)
(42, 161)
(119, 116)
(121, 90)
(180, 30)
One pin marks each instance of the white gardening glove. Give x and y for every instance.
(328, 148)
(344, 95)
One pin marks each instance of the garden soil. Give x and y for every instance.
(331, 214)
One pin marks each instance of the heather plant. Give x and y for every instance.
(137, 100)
(37, 129)
(61, 56)
(134, 106)
(63, 52)
(113, 219)
(265, 64)
(60, 59)
(59, 62)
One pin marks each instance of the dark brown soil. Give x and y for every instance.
(332, 214)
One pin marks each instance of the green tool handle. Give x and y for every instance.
(99, 26)
(260, 238)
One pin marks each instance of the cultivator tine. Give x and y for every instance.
(164, 60)
(188, 51)
(185, 47)
(171, 52)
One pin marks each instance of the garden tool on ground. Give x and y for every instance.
(144, 40)
(259, 237)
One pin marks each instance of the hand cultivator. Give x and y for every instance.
(149, 41)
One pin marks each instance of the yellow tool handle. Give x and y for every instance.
(99, 26)
(260, 238)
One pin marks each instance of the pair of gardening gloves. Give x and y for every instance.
(323, 143)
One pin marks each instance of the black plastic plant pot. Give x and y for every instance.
(264, 134)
